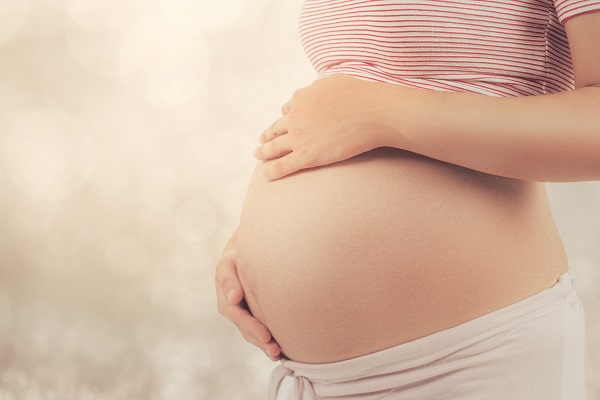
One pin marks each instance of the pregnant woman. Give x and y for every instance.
(396, 240)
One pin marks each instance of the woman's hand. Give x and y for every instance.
(231, 303)
(332, 120)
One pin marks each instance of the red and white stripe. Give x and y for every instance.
(494, 47)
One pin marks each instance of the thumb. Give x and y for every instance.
(235, 294)
(286, 108)
(229, 282)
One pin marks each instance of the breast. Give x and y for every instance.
(343, 260)
(440, 45)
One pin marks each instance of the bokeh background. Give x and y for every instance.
(126, 131)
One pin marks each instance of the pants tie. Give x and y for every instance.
(300, 384)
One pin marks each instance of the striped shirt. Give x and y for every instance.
(493, 47)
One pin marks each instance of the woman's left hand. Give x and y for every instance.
(331, 120)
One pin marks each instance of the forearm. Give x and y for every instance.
(550, 138)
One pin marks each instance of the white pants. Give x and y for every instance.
(531, 350)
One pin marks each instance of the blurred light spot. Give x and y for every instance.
(33, 393)
(94, 52)
(7, 395)
(68, 83)
(16, 98)
(212, 146)
(189, 258)
(184, 14)
(212, 15)
(126, 256)
(170, 354)
(67, 234)
(234, 194)
(161, 65)
(87, 393)
(99, 15)
(40, 326)
(58, 4)
(95, 342)
(163, 289)
(158, 230)
(180, 354)
(49, 265)
(95, 30)
(191, 114)
(156, 194)
(48, 154)
(33, 218)
(182, 385)
(6, 313)
(110, 180)
(199, 302)
(15, 376)
(196, 220)
(12, 17)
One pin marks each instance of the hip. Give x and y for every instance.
(533, 349)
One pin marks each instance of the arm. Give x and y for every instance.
(545, 138)
(542, 138)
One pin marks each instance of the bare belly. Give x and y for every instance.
(388, 247)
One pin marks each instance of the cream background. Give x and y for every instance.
(126, 131)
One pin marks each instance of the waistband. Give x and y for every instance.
(323, 377)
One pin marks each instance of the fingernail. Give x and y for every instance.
(230, 296)
(262, 173)
(274, 354)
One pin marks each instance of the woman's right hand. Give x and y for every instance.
(232, 305)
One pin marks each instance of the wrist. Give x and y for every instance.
(391, 114)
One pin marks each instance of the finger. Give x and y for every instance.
(286, 108)
(271, 349)
(227, 282)
(276, 129)
(274, 149)
(284, 166)
(247, 323)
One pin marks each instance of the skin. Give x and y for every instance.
(550, 138)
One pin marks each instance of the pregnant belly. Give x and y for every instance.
(387, 247)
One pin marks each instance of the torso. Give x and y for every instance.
(390, 246)
(387, 247)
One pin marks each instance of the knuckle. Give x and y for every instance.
(298, 93)
(231, 317)
(277, 150)
(221, 268)
(223, 284)
(303, 154)
(290, 118)
(267, 149)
